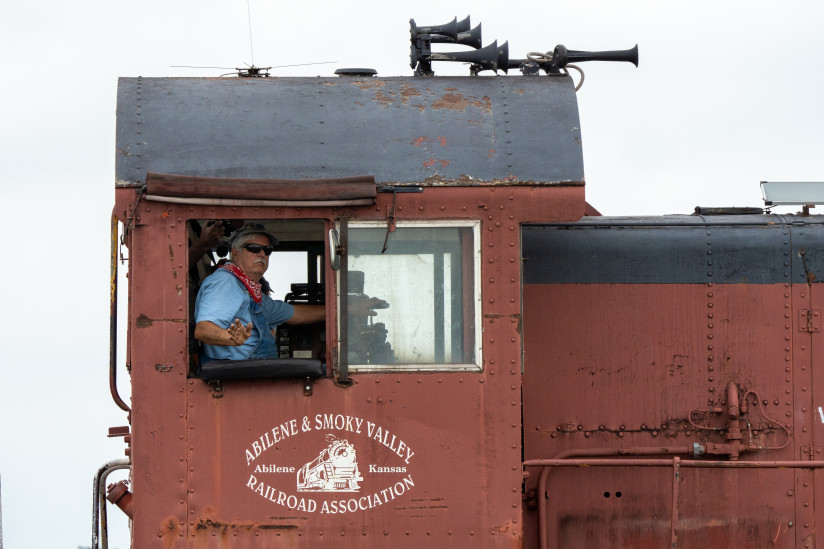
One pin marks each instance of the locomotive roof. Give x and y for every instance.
(401, 130)
(681, 220)
(683, 249)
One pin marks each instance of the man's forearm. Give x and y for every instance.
(212, 334)
(307, 314)
(196, 252)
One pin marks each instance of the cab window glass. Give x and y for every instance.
(416, 304)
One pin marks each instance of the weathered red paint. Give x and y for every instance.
(191, 475)
(639, 371)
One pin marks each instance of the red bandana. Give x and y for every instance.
(254, 288)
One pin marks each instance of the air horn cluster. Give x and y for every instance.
(494, 57)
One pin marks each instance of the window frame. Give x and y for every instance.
(477, 325)
(311, 240)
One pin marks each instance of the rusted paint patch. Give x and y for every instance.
(515, 318)
(209, 524)
(407, 94)
(432, 161)
(369, 84)
(387, 98)
(170, 528)
(408, 91)
(224, 526)
(454, 101)
(437, 180)
(143, 321)
(502, 529)
(457, 102)
(425, 503)
(421, 141)
(383, 99)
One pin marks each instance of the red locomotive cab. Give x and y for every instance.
(389, 412)
(397, 209)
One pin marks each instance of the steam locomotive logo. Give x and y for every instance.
(334, 470)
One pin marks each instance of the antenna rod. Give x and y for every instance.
(251, 44)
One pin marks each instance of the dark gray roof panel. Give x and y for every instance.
(401, 130)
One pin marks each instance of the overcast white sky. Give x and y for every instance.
(727, 94)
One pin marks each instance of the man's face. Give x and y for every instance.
(254, 265)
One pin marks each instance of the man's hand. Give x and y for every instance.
(238, 333)
(211, 235)
(212, 334)
(209, 238)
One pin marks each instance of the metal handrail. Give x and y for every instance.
(100, 526)
(113, 319)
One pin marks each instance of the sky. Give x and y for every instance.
(727, 94)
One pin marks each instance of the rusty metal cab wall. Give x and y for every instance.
(415, 455)
(685, 349)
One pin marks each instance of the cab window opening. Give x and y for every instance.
(295, 276)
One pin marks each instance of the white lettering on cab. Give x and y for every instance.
(334, 468)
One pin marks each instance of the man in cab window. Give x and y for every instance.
(234, 316)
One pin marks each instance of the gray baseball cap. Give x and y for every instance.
(252, 228)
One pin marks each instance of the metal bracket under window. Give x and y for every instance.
(390, 221)
(216, 388)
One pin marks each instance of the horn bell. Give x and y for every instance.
(492, 57)
(463, 24)
(448, 29)
(471, 38)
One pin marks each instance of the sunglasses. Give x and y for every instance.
(256, 248)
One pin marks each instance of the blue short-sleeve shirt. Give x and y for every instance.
(223, 298)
